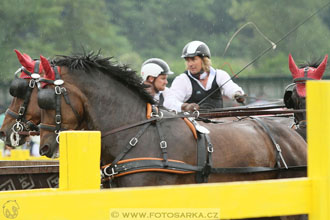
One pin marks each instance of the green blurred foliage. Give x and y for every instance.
(135, 30)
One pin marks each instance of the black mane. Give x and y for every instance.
(314, 62)
(90, 61)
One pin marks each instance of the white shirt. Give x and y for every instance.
(165, 93)
(181, 88)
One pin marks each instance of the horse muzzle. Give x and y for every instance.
(50, 149)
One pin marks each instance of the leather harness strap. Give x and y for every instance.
(120, 167)
(279, 156)
(201, 158)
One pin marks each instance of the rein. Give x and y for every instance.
(154, 118)
(249, 113)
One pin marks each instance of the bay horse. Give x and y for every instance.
(295, 93)
(111, 98)
(23, 114)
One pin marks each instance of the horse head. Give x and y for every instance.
(62, 108)
(295, 93)
(23, 114)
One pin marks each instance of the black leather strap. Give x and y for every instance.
(201, 158)
(277, 147)
(67, 101)
(129, 166)
(129, 146)
(162, 144)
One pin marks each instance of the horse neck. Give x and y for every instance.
(110, 104)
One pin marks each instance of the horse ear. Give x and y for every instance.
(26, 62)
(321, 68)
(27, 57)
(49, 72)
(293, 67)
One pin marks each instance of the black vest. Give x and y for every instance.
(161, 100)
(198, 93)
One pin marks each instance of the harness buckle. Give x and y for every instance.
(32, 83)
(21, 110)
(278, 148)
(58, 90)
(163, 144)
(133, 141)
(58, 119)
(112, 171)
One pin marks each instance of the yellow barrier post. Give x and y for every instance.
(80, 160)
(318, 117)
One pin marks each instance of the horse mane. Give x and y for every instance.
(313, 62)
(88, 62)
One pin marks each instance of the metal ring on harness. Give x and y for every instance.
(17, 127)
(112, 171)
(196, 112)
(133, 141)
(57, 136)
(157, 115)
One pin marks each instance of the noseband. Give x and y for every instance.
(21, 122)
(59, 90)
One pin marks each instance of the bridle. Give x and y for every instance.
(21, 122)
(59, 90)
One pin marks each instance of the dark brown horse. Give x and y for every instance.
(295, 93)
(110, 98)
(23, 114)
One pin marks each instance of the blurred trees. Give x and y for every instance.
(135, 30)
(55, 27)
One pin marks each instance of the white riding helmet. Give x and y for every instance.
(154, 67)
(196, 48)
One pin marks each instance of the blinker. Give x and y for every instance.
(18, 88)
(288, 99)
(46, 99)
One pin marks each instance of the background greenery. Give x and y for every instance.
(135, 30)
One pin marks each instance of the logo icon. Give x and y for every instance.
(10, 209)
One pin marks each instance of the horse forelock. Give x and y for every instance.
(314, 62)
(93, 63)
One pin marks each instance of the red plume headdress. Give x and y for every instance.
(308, 73)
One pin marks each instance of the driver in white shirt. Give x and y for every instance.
(199, 80)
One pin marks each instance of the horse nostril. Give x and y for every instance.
(2, 134)
(44, 150)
